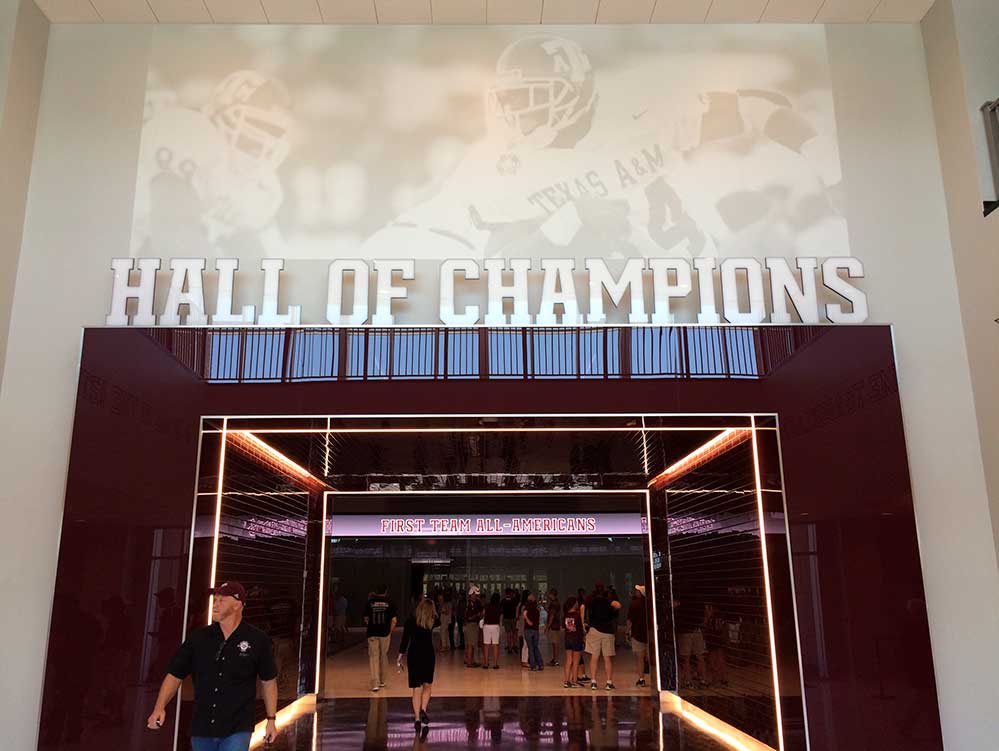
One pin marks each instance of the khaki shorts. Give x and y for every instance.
(691, 644)
(471, 634)
(598, 643)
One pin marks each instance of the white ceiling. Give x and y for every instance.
(484, 11)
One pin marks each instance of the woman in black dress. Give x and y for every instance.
(418, 646)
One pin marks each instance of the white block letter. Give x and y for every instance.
(601, 279)
(730, 291)
(185, 270)
(223, 304)
(385, 293)
(830, 278)
(268, 310)
(334, 296)
(469, 270)
(706, 289)
(662, 290)
(121, 291)
(558, 288)
(804, 298)
(516, 291)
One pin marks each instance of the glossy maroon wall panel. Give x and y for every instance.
(858, 588)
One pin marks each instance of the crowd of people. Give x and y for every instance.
(442, 621)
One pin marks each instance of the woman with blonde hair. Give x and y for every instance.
(418, 646)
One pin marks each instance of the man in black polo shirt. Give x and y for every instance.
(225, 660)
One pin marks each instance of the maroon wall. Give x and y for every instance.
(856, 566)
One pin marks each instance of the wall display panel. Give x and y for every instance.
(467, 151)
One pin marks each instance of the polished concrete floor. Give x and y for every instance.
(581, 721)
(347, 676)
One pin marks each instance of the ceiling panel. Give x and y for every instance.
(514, 11)
(680, 11)
(846, 11)
(69, 11)
(180, 11)
(292, 11)
(569, 11)
(901, 11)
(624, 11)
(458, 11)
(348, 11)
(236, 11)
(736, 11)
(791, 11)
(124, 11)
(403, 11)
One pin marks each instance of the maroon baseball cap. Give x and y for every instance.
(234, 590)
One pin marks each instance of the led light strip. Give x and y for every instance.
(766, 584)
(322, 586)
(724, 441)
(285, 716)
(711, 725)
(218, 515)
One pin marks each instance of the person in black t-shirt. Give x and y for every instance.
(225, 660)
(600, 611)
(380, 618)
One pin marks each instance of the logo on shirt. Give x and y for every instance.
(243, 647)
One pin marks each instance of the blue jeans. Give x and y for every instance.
(234, 742)
(533, 639)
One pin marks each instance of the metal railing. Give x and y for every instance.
(299, 355)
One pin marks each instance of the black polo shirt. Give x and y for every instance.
(225, 673)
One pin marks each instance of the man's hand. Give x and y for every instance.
(270, 731)
(156, 719)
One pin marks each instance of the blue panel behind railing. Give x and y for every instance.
(263, 355)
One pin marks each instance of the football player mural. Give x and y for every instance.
(566, 154)
(207, 178)
(555, 177)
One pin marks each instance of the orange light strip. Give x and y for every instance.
(218, 515)
(245, 435)
(711, 725)
(766, 584)
(287, 715)
(721, 443)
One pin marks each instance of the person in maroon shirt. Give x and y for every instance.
(638, 631)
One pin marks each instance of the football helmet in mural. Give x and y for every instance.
(252, 112)
(544, 86)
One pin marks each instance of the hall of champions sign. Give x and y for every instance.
(750, 287)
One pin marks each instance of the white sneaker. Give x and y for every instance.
(375, 689)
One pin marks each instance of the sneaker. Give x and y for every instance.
(609, 686)
(584, 678)
(495, 667)
(381, 685)
(375, 688)
(485, 667)
(593, 686)
(568, 684)
(640, 682)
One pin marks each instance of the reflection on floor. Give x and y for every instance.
(582, 721)
(347, 676)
